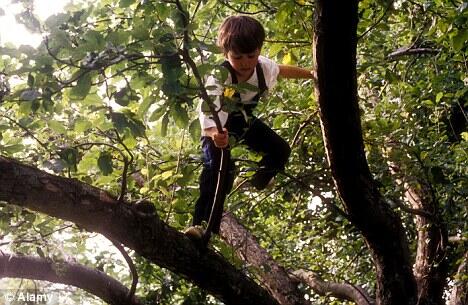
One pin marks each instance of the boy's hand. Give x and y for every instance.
(221, 140)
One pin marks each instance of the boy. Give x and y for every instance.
(241, 40)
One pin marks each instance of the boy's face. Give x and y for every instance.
(243, 63)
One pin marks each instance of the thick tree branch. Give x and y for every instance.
(274, 276)
(90, 280)
(342, 291)
(430, 267)
(97, 211)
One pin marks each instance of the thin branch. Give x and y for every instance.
(226, 3)
(131, 265)
(127, 162)
(29, 132)
(302, 127)
(405, 51)
(179, 156)
(186, 56)
(387, 8)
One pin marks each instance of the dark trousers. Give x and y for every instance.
(259, 138)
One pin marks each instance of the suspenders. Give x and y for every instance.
(248, 107)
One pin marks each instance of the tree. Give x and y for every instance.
(100, 137)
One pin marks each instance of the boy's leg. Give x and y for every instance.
(208, 183)
(275, 150)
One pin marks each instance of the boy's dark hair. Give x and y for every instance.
(241, 34)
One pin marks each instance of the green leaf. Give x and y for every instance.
(157, 114)
(128, 120)
(180, 116)
(83, 85)
(57, 126)
(439, 96)
(105, 163)
(144, 106)
(164, 123)
(82, 125)
(118, 38)
(125, 3)
(458, 41)
(195, 130)
(92, 99)
(12, 149)
(94, 41)
(70, 156)
(122, 97)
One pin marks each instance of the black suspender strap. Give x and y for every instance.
(261, 82)
(260, 76)
(228, 66)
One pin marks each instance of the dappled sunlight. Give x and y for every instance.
(17, 34)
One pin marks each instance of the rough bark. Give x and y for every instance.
(430, 267)
(97, 211)
(274, 276)
(342, 291)
(335, 62)
(93, 281)
(282, 284)
(459, 295)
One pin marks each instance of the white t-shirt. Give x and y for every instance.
(270, 72)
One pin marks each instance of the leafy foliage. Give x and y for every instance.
(109, 98)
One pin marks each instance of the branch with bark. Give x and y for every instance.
(91, 280)
(459, 295)
(430, 266)
(274, 276)
(282, 285)
(342, 291)
(97, 211)
(410, 51)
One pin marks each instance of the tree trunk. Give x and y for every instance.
(97, 211)
(335, 61)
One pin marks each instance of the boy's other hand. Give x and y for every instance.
(221, 140)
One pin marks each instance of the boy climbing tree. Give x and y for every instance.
(241, 39)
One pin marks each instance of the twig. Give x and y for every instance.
(27, 131)
(387, 8)
(176, 172)
(131, 265)
(411, 51)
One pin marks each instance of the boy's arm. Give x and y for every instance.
(286, 71)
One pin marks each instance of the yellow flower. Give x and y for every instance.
(229, 92)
